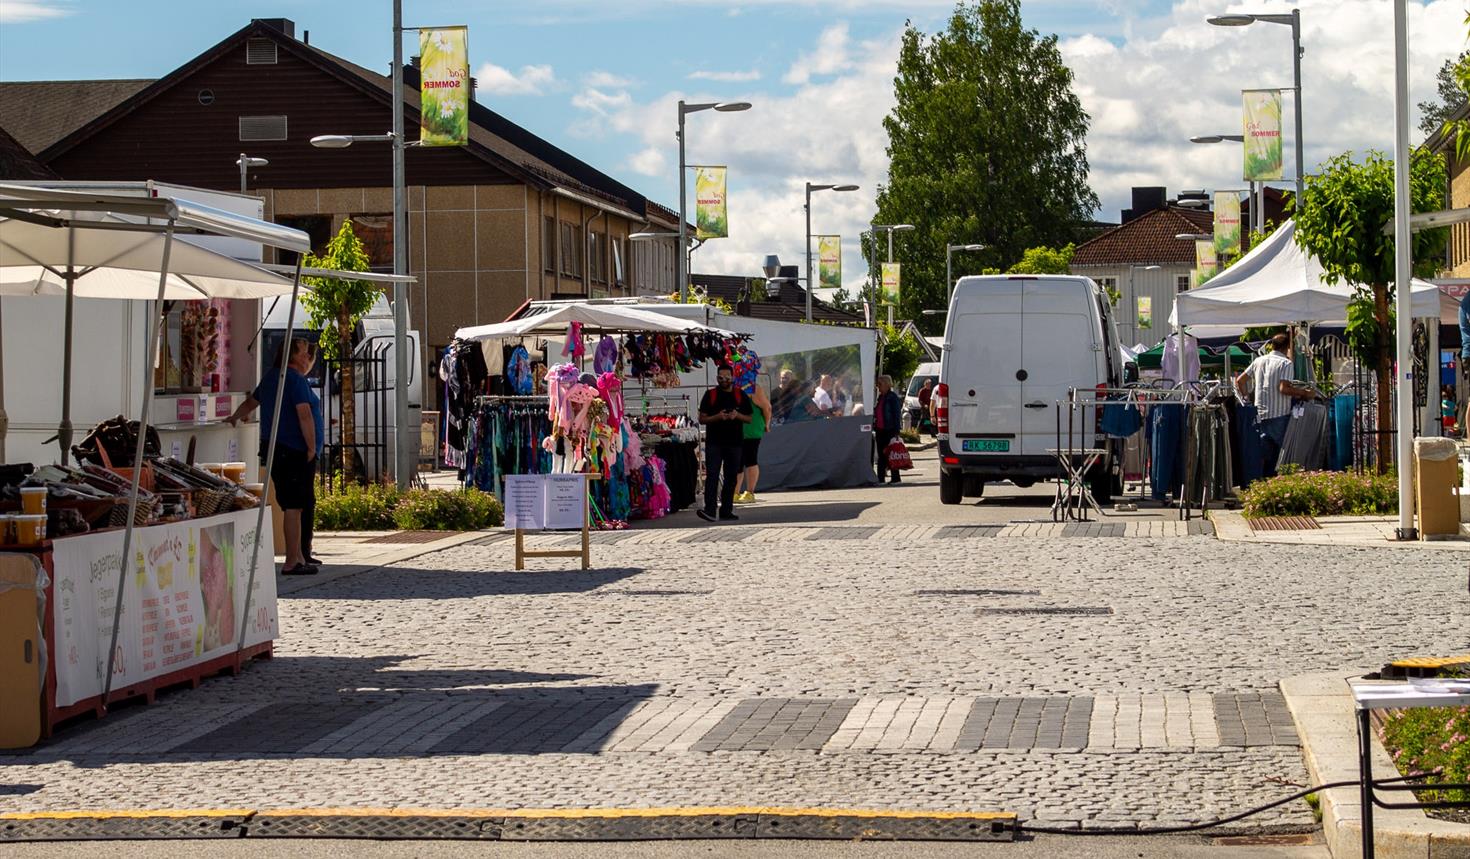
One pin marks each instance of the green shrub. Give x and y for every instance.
(454, 510)
(909, 436)
(1432, 739)
(1322, 493)
(357, 508)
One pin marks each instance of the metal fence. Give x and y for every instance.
(372, 399)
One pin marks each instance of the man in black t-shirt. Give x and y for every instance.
(723, 411)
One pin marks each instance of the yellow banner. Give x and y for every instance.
(1261, 120)
(1205, 264)
(829, 262)
(890, 282)
(1227, 223)
(444, 87)
(1145, 311)
(711, 219)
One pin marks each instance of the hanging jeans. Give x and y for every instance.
(720, 460)
(1248, 445)
(1272, 432)
(1166, 438)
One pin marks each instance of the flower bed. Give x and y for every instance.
(1433, 740)
(1322, 493)
(383, 507)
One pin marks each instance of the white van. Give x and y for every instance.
(1013, 346)
(911, 410)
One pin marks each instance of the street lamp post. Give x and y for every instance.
(1403, 269)
(681, 263)
(1294, 21)
(403, 459)
(891, 228)
(811, 284)
(1257, 189)
(245, 162)
(948, 267)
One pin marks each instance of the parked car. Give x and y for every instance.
(1013, 347)
(911, 409)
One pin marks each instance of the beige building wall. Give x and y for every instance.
(1459, 250)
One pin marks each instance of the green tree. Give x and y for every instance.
(900, 353)
(1449, 83)
(986, 145)
(1340, 221)
(334, 307)
(1045, 261)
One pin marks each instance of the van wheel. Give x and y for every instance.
(1023, 482)
(974, 487)
(949, 487)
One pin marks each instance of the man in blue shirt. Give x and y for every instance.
(299, 437)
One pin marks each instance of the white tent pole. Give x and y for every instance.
(270, 450)
(155, 323)
(1403, 252)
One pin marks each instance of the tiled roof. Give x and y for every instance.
(17, 163)
(1147, 240)
(39, 113)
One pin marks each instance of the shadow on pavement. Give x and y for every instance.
(399, 583)
(774, 509)
(357, 725)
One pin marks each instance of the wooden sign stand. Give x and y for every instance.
(585, 553)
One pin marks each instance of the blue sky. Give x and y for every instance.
(601, 79)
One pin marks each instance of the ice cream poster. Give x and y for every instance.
(183, 600)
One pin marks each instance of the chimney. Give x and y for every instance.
(285, 25)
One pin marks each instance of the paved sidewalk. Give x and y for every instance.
(1356, 531)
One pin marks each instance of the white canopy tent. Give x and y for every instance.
(1280, 283)
(594, 318)
(55, 240)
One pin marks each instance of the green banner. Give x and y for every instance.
(444, 87)
(890, 282)
(1261, 119)
(829, 262)
(711, 219)
(1227, 223)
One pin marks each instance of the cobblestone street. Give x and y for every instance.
(1087, 680)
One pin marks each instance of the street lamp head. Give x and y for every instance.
(1206, 138)
(844, 187)
(1232, 20)
(648, 237)
(1194, 237)
(903, 228)
(332, 141)
(732, 106)
(1146, 267)
(251, 161)
(1192, 204)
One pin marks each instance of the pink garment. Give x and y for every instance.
(611, 389)
(574, 345)
(559, 381)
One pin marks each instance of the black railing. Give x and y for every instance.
(372, 397)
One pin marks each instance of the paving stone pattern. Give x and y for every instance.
(815, 675)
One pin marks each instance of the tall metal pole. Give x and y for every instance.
(243, 167)
(1296, 73)
(948, 274)
(64, 432)
(681, 263)
(890, 260)
(1402, 258)
(404, 460)
(809, 284)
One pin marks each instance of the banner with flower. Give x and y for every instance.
(444, 87)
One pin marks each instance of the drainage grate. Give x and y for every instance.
(655, 592)
(1284, 523)
(844, 532)
(949, 532)
(413, 536)
(1065, 611)
(979, 592)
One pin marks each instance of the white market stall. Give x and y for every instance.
(195, 605)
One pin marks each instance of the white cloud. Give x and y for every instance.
(1176, 77)
(606, 80)
(530, 80)
(726, 77)
(829, 57)
(23, 11)
(601, 103)
(649, 161)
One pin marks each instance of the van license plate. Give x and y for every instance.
(987, 445)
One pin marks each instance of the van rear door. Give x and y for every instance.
(982, 358)
(1060, 351)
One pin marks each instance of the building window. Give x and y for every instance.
(376, 234)
(262, 128)
(619, 278)
(548, 244)
(1181, 282)
(594, 257)
(571, 250)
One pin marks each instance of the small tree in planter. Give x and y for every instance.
(334, 307)
(1340, 219)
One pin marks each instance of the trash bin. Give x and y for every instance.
(1435, 479)
(22, 649)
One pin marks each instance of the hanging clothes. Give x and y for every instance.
(1207, 466)
(1306, 439)
(1166, 440)
(464, 373)
(1172, 354)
